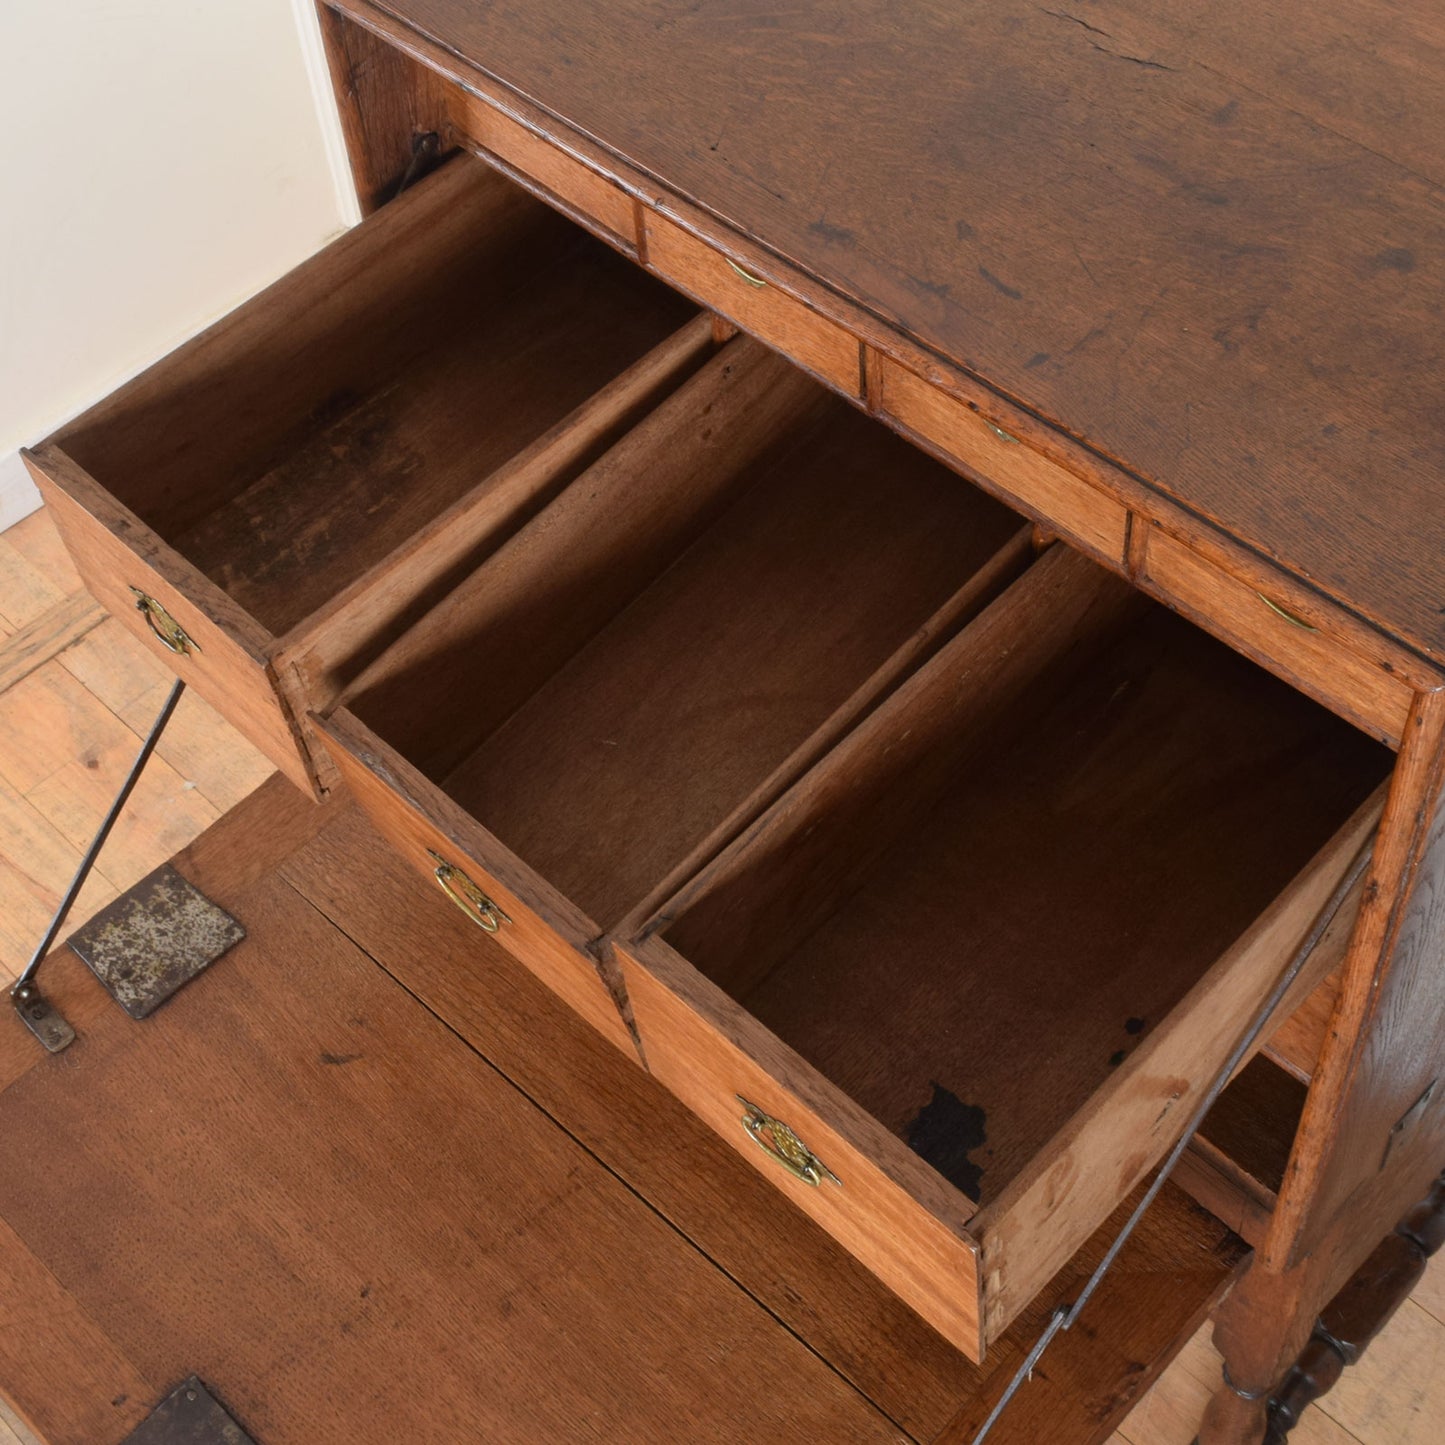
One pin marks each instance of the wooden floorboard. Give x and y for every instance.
(8, 1435)
(66, 738)
(77, 695)
(32, 578)
(55, 630)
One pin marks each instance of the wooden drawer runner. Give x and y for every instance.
(958, 989)
(1076, 509)
(637, 673)
(290, 483)
(759, 307)
(1300, 649)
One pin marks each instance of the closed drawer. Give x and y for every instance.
(741, 294)
(285, 487)
(1303, 650)
(640, 670)
(1077, 510)
(591, 198)
(958, 990)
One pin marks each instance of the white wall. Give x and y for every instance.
(160, 160)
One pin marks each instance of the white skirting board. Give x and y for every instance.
(18, 497)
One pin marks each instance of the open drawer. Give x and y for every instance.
(274, 501)
(639, 671)
(957, 991)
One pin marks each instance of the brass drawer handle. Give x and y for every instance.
(165, 627)
(466, 895)
(775, 1138)
(746, 275)
(1290, 617)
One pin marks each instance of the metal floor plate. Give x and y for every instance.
(189, 1415)
(154, 939)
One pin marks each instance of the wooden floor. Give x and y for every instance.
(76, 695)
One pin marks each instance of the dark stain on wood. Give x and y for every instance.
(834, 235)
(945, 1132)
(1392, 258)
(1012, 292)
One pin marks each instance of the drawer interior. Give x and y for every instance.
(1238, 1159)
(296, 445)
(650, 660)
(972, 913)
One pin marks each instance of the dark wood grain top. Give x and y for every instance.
(1209, 243)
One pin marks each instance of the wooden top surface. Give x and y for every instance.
(1210, 243)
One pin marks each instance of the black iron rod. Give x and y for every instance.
(98, 842)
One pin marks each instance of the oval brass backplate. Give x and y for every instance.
(776, 1139)
(165, 627)
(466, 895)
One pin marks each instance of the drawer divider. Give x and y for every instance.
(979, 592)
(869, 788)
(565, 574)
(336, 643)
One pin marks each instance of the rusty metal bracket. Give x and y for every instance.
(154, 939)
(38, 1015)
(189, 1415)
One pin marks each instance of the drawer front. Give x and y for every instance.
(589, 196)
(744, 1084)
(970, 1276)
(1087, 517)
(1107, 1149)
(493, 888)
(194, 628)
(780, 320)
(1301, 650)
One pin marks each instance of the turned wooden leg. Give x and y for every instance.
(1245, 1413)
(1230, 1418)
(1259, 1330)
(1359, 1312)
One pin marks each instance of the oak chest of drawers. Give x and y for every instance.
(924, 797)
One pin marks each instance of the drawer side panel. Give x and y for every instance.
(1128, 1126)
(114, 552)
